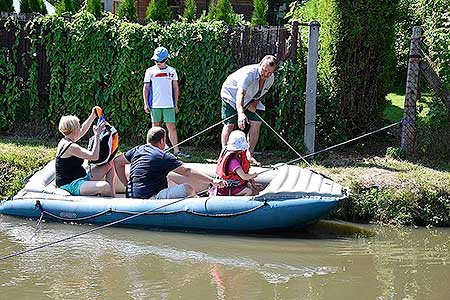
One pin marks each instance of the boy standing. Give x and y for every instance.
(160, 93)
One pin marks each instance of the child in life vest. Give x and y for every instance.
(233, 167)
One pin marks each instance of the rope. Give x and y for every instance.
(331, 147)
(197, 134)
(90, 230)
(37, 228)
(153, 214)
(292, 148)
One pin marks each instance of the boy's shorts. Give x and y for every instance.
(163, 114)
(74, 187)
(228, 111)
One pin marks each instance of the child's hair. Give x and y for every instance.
(68, 124)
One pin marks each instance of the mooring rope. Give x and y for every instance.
(92, 230)
(201, 132)
(331, 147)
(281, 138)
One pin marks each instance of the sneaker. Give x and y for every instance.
(180, 154)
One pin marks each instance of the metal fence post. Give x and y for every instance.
(408, 141)
(311, 87)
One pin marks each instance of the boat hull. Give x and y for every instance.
(219, 214)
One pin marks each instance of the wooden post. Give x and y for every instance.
(294, 39)
(408, 141)
(311, 87)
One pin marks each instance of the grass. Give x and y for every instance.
(394, 110)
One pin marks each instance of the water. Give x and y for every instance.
(116, 263)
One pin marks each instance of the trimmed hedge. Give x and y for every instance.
(357, 57)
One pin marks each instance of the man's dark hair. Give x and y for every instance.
(155, 134)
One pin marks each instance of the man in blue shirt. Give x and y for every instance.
(241, 93)
(149, 168)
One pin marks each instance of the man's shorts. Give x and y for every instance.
(163, 114)
(228, 111)
(173, 192)
(74, 187)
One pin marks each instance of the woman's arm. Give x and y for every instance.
(78, 151)
(86, 124)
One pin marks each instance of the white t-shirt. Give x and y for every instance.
(161, 93)
(246, 78)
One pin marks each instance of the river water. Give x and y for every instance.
(116, 263)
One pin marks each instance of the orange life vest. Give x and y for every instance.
(222, 166)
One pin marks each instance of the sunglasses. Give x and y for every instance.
(161, 61)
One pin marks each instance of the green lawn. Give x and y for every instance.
(394, 111)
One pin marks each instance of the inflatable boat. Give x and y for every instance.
(292, 198)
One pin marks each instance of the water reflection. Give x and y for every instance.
(136, 264)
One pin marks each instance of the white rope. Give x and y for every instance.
(197, 134)
(292, 148)
(93, 229)
(331, 147)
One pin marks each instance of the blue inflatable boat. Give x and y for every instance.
(292, 198)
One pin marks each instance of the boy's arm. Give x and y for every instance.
(176, 92)
(145, 90)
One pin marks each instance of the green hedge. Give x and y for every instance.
(102, 62)
(356, 50)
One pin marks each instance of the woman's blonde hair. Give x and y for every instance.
(68, 124)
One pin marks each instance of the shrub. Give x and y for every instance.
(127, 10)
(357, 43)
(190, 11)
(212, 10)
(259, 16)
(65, 6)
(25, 7)
(6, 5)
(158, 10)
(224, 12)
(94, 7)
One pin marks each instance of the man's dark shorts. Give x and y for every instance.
(228, 111)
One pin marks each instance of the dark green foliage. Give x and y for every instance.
(158, 10)
(94, 7)
(25, 7)
(65, 6)
(6, 5)
(425, 206)
(357, 43)
(224, 11)
(190, 11)
(33, 6)
(212, 10)
(259, 16)
(127, 10)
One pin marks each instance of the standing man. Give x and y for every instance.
(242, 92)
(160, 93)
(149, 168)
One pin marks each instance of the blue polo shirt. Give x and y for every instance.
(148, 170)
